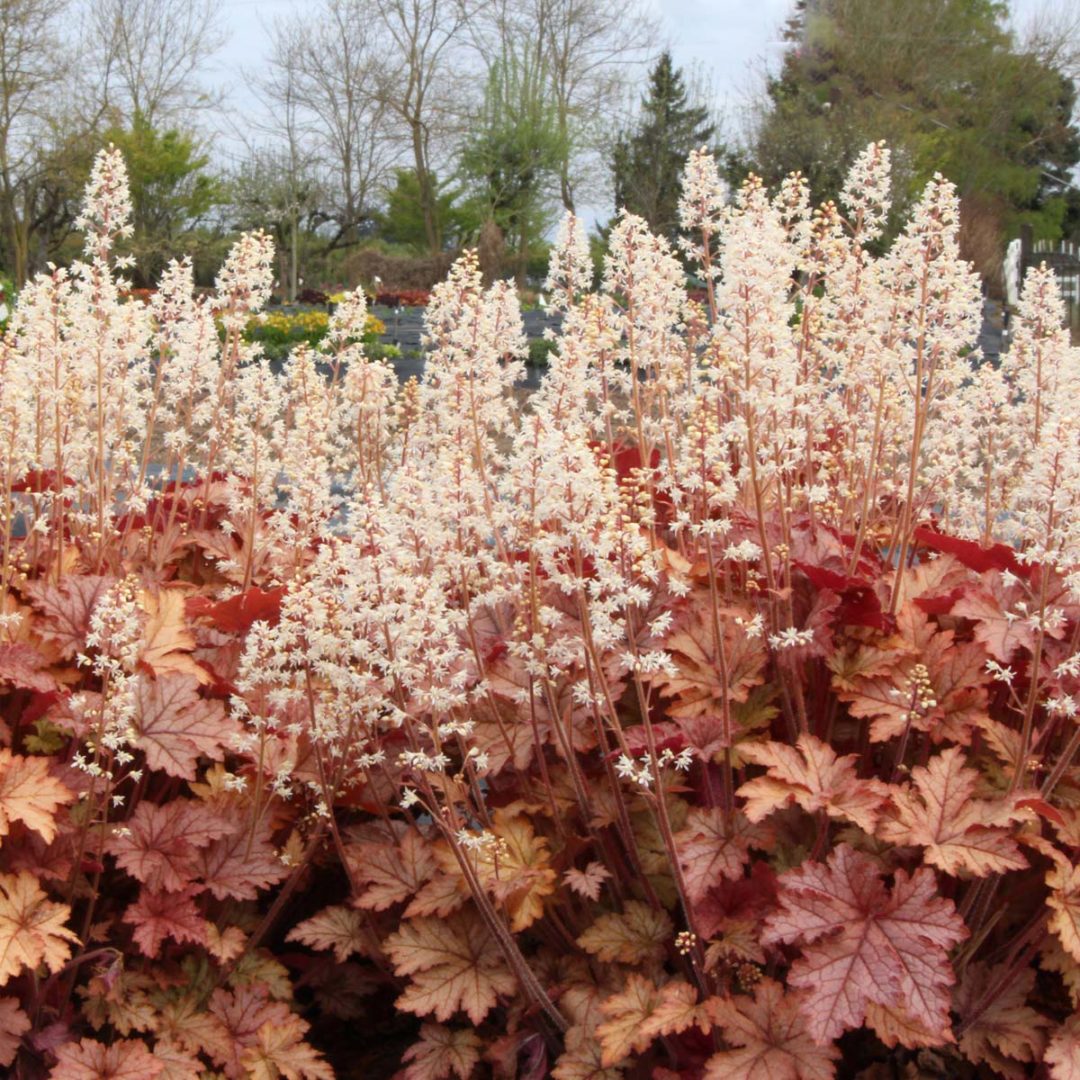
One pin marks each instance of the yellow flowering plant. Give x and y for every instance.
(311, 326)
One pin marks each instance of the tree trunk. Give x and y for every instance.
(9, 214)
(295, 274)
(522, 260)
(427, 194)
(20, 253)
(565, 188)
(564, 185)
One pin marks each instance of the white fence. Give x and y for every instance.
(1063, 257)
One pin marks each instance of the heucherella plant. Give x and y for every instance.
(710, 712)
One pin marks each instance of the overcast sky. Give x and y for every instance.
(727, 41)
(730, 41)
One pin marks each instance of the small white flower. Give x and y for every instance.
(790, 638)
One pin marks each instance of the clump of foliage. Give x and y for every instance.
(540, 350)
(714, 716)
(950, 86)
(403, 223)
(515, 152)
(171, 191)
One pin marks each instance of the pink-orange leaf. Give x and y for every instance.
(29, 794)
(14, 1024)
(940, 813)
(239, 865)
(442, 1053)
(712, 849)
(1063, 1053)
(174, 726)
(711, 672)
(32, 929)
(160, 915)
(642, 1012)
(1063, 880)
(454, 964)
(88, 1059)
(66, 609)
(581, 1059)
(225, 945)
(280, 1053)
(812, 776)
(587, 882)
(956, 702)
(624, 1029)
(517, 870)
(339, 928)
(770, 1038)
(677, 1010)
(1006, 1028)
(391, 872)
(1000, 630)
(862, 944)
(25, 667)
(894, 1027)
(176, 1063)
(158, 844)
(240, 1015)
(638, 934)
(181, 1020)
(167, 641)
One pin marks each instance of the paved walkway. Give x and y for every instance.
(404, 328)
(992, 338)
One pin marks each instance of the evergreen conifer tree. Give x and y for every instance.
(647, 163)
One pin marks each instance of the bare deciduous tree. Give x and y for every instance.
(30, 48)
(148, 55)
(323, 80)
(420, 84)
(379, 82)
(1052, 32)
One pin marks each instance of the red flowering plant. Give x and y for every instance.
(403, 298)
(712, 714)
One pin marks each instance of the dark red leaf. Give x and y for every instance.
(39, 705)
(973, 555)
(25, 667)
(859, 603)
(238, 613)
(37, 481)
(1043, 809)
(218, 686)
(496, 651)
(627, 458)
(749, 898)
(940, 605)
(668, 736)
